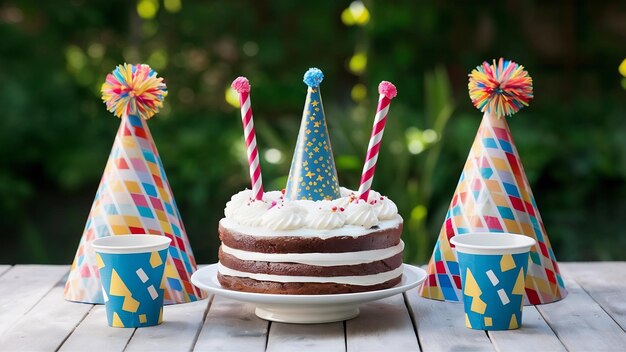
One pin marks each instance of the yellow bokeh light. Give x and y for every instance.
(419, 213)
(75, 58)
(347, 18)
(358, 92)
(622, 68)
(232, 98)
(355, 14)
(172, 6)
(360, 13)
(358, 63)
(147, 9)
(158, 59)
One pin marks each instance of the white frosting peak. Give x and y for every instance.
(360, 213)
(251, 213)
(285, 216)
(236, 202)
(326, 218)
(384, 208)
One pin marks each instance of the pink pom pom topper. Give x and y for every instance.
(241, 85)
(387, 89)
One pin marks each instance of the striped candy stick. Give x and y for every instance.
(242, 87)
(387, 92)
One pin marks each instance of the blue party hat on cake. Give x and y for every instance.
(313, 174)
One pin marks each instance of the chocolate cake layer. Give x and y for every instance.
(297, 288)
(297, 269)
(376, 239)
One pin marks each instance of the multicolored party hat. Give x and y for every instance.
(313, 174)
(493, 193)
(134, 196)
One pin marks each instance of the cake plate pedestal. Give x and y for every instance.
(306, 309)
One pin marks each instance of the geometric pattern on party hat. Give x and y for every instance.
(493, 193)
(313, 174)
(134, 197)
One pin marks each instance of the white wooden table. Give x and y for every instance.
(35, 317)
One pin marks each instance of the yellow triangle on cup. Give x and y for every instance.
(507, 262)
(117, 322)
(99, 261)
(518, 289)
(472, 290)
(513, 323)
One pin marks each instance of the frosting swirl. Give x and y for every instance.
(361, 213)
(325, 218)
(236, 202)
(287, 216)
(251, 213)
(384, 208)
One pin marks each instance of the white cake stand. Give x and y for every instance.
(306, 309)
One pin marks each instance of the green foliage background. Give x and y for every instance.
(55, 133)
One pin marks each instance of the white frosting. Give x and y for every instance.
(286, 216)
(328, 215)
(363, 280)
(346, 230)
(360, 213)
(278, 214)
(385, 209)
(251, 213)
(236, 202)
(318, 259)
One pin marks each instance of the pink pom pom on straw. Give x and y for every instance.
(241, 85)
(387, 89)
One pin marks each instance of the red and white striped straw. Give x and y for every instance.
(242, 87)
(387, 92)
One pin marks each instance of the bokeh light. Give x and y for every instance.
(356, 14)
(147, 9)
(232, 98)
(358, 92)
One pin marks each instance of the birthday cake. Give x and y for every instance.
(313, 237)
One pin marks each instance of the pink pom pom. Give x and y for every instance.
(241, 85)
(387, 89)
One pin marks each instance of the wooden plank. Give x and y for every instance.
(441, 326)
(22, 287)
(94, 332)
(605, 282)
(306, 337)
(4, 269)
(178, 331)
(232, 326)
(381, 325)
(580, 323)
(534, 335)
(46, 325)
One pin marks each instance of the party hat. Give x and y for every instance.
(134, 196)
(493, 193)
(313, 174)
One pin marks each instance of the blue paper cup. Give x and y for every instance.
(131, 272)
(493, 272)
